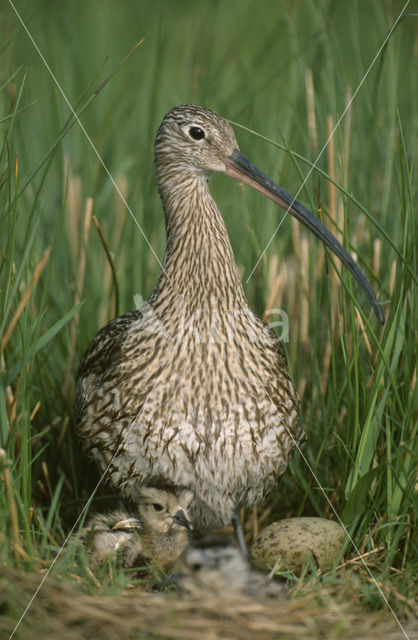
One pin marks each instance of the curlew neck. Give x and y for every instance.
(199, 263)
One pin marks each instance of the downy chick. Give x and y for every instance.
(156, 534)
(214, 565)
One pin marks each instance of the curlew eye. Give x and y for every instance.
(196, 133)
(157, 506)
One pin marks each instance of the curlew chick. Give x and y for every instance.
(157, 534)
(213, 564)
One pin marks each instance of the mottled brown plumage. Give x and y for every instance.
(193, 387)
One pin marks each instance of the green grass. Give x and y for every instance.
(248, 62)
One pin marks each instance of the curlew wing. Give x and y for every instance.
(99, 358)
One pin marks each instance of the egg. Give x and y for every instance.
(292, 541)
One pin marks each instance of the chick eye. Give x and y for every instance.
(157, 506)
(196, 133)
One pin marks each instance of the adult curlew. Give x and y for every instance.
(193, 387)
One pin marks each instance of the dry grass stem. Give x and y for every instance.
(21, 553)
(377, 250)
(108, 304)
(361, 235)
(45, 472)
(296, 237)
(12, 504)
(326, 364)
(9, 390)
(347, 133)
(121, 210)
(74, 210)
(11, 411)
(364, 334)
(25, 297)
(63, 433)
(272, 299)
(304, 302)
(392, 278)
(359, 558)
(110, 261)
(332, 190)
(310, 109)
(332, 209)
(35, 410)
(82, 252)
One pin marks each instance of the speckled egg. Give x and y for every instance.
(292, 541)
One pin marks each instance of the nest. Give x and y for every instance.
(61, 610)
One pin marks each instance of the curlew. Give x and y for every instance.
(214, 565)
(158, 533)
(193, 387)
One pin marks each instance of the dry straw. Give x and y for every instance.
(62, 611)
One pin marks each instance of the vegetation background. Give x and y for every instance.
(285, 71)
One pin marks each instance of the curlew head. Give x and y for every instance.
(196, 141)
(164, 510)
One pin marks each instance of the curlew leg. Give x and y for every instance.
(236, 520)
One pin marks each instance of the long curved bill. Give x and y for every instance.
(237, 166)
